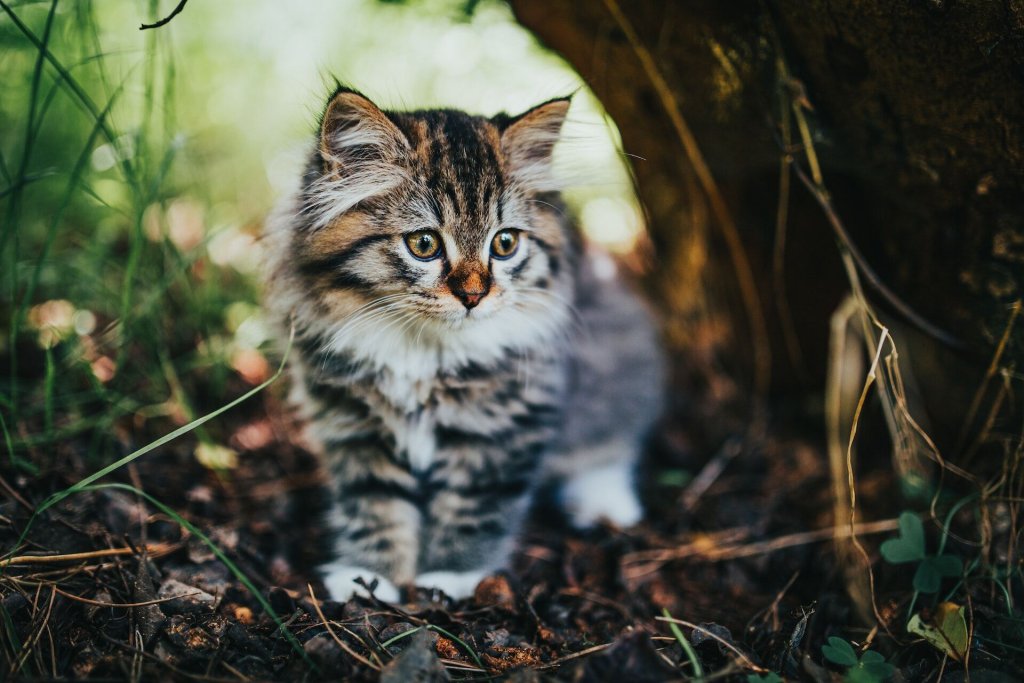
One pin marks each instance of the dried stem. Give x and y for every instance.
(166, 20)
(737, 251)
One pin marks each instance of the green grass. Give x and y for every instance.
(107, 321)
(96, 235)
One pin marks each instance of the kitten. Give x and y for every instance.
(455, 346)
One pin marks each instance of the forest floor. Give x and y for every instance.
(730, 548)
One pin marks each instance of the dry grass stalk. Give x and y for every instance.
(744, 659)
(341, 643)
(153, 550)
(649, 561)
(737, 250)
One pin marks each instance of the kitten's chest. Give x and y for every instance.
(417, 409)
(413, 417)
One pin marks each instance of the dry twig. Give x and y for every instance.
(648, 561)
(722, 641)
(166, 20)
(342, 644)
(154, 550)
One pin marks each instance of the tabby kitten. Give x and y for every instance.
(455, 345)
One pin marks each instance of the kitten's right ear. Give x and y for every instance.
(355, 131)
(527, 141)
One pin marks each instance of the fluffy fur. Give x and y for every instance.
(444, 391)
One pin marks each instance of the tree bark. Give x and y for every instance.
(916, 112)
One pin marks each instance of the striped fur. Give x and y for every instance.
(439, 417)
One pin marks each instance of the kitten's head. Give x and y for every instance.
(436, 217)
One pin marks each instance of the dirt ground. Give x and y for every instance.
(125, 593)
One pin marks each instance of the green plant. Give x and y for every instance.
(909, 547)
(870, 667)
(691, 655)
(437, 629)
(770, 677)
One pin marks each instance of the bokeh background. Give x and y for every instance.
(137, 168)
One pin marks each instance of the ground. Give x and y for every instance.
(131, 594)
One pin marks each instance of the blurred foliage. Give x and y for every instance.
(136, 168)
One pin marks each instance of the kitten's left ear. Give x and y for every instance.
(361, 151)
(528, 139)
(354, 130)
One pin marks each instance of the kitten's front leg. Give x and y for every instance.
(376, 524)
(472, 520)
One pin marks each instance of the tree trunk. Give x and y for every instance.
(915, 114)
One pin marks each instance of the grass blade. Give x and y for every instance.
(136, 454)
(691, 655)
(220, 554)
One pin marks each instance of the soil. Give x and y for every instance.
(573, 606)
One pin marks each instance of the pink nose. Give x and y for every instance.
(470, 299)
(469, 287)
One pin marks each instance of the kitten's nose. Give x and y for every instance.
(470, 287)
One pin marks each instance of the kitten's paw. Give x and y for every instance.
(340, 580)
(606, 493)
(456, 585)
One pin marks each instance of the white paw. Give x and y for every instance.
(606, 493)
(340, 580)
(456, 585)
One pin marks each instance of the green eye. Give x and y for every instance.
(424, 244)
(505, 243)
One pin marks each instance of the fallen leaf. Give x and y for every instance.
(946, 630)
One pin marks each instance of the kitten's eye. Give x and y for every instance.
(505, 243)
(424, 244)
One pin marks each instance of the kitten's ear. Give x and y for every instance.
(354, 131)
(528, 139)
(362, 153)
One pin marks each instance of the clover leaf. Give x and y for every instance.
(870, 668)
(931, 571)
(840, 652)
(909, 547)
(770, 677)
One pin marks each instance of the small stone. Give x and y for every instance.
(324, 652)
(187, 599)
(281, 601)
(417, 664)
(394, 630)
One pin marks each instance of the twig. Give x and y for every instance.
(710, 473)
(714, 636)
(154, 550)
(456, 665)
(342, 644)
(867, 271)
(100, 603)
(15, 495)
(163, 22)
(576, 592)
(741, 263)
(575, 655)
(26, 649)
(989, 374)
(736, 551)
(779, 248)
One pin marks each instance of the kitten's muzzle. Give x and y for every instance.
(469, 287)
